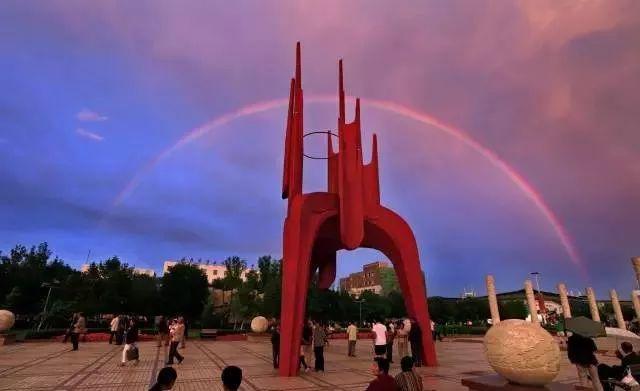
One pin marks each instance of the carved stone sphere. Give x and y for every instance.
(7, 319)
(259, 324)
(522, 352)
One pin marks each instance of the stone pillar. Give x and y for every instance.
(564, 300)
(617, 310)
(636, 302)
(531, 301)
(593, 307)
(635, 261)
(493, 300)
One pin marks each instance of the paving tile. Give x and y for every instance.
(44, 366)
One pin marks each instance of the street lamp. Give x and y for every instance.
(50, 285)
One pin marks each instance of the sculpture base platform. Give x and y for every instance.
(7, 338)
(497, 382)
(258, 337)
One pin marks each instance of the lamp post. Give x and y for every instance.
(49, 285)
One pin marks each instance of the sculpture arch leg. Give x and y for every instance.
(295, 283)
(307, 216)
(391, 235)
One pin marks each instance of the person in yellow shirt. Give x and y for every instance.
(177, 335)
(352, 337)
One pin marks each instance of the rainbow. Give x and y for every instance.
(384, 105)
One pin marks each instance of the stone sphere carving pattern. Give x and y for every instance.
(7, 320)
(259, 324)
(522, 352)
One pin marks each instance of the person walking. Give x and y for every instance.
(380, 340)
(319, 339)
(275, 344)
(177, 334)
(415, 340)
(165, 380)
(352, 337)
(80, 327)
(433, 330)
(183, 344)
(67, 334)
(130, 350)
(113, 328)
(401, 338)
(163, 331)
(408, 380)
(391, 334)
(122, 326)
(307, 340)
(302, 361)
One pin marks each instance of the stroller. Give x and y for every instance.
(628, 383)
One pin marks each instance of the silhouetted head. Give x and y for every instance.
(380, 366)
(231, 377)
(406, 363)
(167, 377)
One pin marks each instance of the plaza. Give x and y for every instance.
(51, 366)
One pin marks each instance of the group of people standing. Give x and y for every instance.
(405, 333)
(173, 333)
(314, 336)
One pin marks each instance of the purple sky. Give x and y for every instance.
(92, 92)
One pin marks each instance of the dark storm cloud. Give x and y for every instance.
(549, 86)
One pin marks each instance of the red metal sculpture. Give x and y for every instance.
(347, 216)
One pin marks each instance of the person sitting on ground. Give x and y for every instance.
(382, 382)
(231, 378)
(408, 380)
(166, 378)
(627, 357)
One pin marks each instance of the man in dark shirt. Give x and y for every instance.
(382, 382)
(627, 357)
(275, 344)
(415, 340)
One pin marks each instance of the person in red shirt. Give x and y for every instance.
(382, 382)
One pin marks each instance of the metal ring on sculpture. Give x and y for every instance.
(318, 132)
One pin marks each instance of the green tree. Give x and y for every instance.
(513, 309)
(145, 295)
(233, 276)
(184, 290)
(389, 281)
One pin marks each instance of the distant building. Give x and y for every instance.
(137, 270)
(467, 294)
(214, 271)
(369, 279)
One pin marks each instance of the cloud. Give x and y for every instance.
(86, 115)
(90, 135)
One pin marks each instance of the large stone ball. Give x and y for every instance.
(522, 352)
(259, 324)
(7, 319)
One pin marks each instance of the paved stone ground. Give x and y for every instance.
(51, 366)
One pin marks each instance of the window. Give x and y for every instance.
(215, 272)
